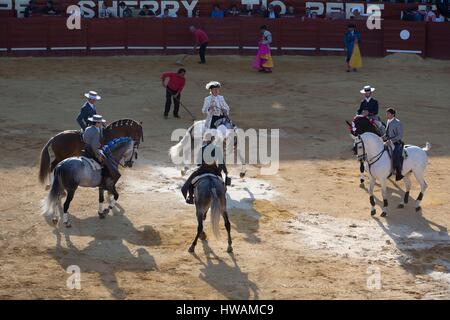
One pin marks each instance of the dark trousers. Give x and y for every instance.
(202, 52)
(176, 102)
(397, 157)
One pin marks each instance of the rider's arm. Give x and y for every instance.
(80, 119)
(225, 107)
(205, 105)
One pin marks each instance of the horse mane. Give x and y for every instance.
(122, 123)
(116, 143)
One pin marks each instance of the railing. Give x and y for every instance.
(50, 36)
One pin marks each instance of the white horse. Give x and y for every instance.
(370, 149)
(197, 131)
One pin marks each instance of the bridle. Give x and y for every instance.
(363, 156)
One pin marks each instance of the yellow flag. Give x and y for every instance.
(356, 60)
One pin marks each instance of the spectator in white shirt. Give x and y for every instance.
(167, 14)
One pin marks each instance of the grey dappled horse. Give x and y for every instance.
(75, 172)
(209, 192)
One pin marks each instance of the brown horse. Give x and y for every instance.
(70, 143)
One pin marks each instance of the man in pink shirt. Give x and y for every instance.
(201, 41)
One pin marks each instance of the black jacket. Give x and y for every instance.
(372, 105)
(85, 113)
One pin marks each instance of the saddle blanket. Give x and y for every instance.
(197, 179)
(94, 164)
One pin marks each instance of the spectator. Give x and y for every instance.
(105, 12)
(29, 9)
(217, 12)
(167, 14)
(247, 10)
(336, 15)
(233, 11)
(124, 10)
(439, 17)
(271, 13)
(50, 9)
(146, 12)
(290, 12)
(261, 11)
(356, 14)
(308, 13)
(429, 14)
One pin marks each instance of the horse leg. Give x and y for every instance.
(361, 174)
(407, 180)
(423, 187)
(66, 220)
(199, 230)
(101, 198)
(371, 198)
(228, 227)
(385, 201)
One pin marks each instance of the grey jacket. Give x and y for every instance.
(91, 137)
(394, 130)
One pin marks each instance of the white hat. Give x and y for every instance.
(97, 118)
(213, 84)
(92, 95)
(367, 89)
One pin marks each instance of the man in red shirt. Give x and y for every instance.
(174, 84)
(201, 40)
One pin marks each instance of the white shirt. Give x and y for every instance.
(92, 106)
(217, 104)
(368, 99)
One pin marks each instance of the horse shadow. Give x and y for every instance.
(107, 253)
(244, 218)
(422, 242)
(227, 279)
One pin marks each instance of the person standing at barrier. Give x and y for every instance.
(201, 41)
(174, 84)
(263, 60)
(352, 40)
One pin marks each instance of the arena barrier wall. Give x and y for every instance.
(50, 36)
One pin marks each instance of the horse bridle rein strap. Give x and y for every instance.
(371, 161)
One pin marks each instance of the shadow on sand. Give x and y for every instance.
(107, 253)
(227, 279)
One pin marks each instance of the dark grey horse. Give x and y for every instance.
(209, 192)
(75, 172)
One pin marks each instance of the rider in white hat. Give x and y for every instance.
(88, 110)
(214, 105)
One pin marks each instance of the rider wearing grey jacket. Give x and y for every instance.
(91, 137)
(394, 135)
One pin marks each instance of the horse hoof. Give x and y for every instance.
(361, 181)
(372, 213)
(203, 236)
(47, 187)
(230, 249)
(55, 221)
(101, 215)
(401, 206)
(242, 174)
(383, 214)
(361, 185)
(418, 208)
(191, 249)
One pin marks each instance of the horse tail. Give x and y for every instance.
(175, 150)
(427, 147)
(50, 202)
(44, 166)
(216, 211)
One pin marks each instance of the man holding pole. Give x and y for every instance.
(174, 84)
(201, 41)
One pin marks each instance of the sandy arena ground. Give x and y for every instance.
(303, 233)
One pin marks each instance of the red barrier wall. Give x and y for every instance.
(50, 36)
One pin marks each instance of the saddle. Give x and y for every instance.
(95, 165)
(198, 178)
